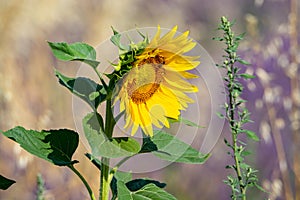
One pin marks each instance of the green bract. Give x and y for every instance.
(127, 54)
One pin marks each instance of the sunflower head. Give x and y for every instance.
(154, 80)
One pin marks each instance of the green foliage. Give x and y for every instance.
(107, 147)
(127, 56)
(149, 191)
(5, 183)
(236, 115)
(74, 52)
(55, 146)
(167, 147)
(116, 40)
(148, 145)
(123, 186)
(84, 88)
(137, 184)
(118, 176)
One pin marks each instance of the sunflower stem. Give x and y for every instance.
(104, 178)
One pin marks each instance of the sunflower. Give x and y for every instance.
(154, 88)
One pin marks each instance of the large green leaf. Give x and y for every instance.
(172, 149)
(101, 145)
(5, 183)
(56, 146)
(148, 192)
(75, 52)
(131, 185)
(84, 88)
(119, 176)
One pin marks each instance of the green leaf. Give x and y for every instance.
(148, 192)
(137, 184)
(218, 38)
(261, 188)
(116, 40)
(123, 176)
(245, 153)
(55, 146)
(251, 135)
(101, 145)
(240, 37)
(94, 95)
(172, 149)
(243, 62)
(5, 183)
(119, 176)
(184, 121)
(84, 88)
(148, 145)
(220, 115)
(75, 52)
(247, 76)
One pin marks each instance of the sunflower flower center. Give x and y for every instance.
(145, 78)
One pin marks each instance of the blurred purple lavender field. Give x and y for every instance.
(30, 95)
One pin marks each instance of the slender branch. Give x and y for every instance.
(92, 196)
(95, 161)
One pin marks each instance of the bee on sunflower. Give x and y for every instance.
(153, 79)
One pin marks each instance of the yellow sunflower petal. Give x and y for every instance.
(134, 128)
(168, 37)
(158, 113)
(154, 41)
(145, 119)
(174, 78)
(169, 102)
(154, 119)
(188, 75)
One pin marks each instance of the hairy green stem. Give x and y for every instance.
(104, 178)
(233, 122)
(109, 119)
(235, 118)
(92, 196)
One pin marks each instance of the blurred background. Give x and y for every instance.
(30, 95)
